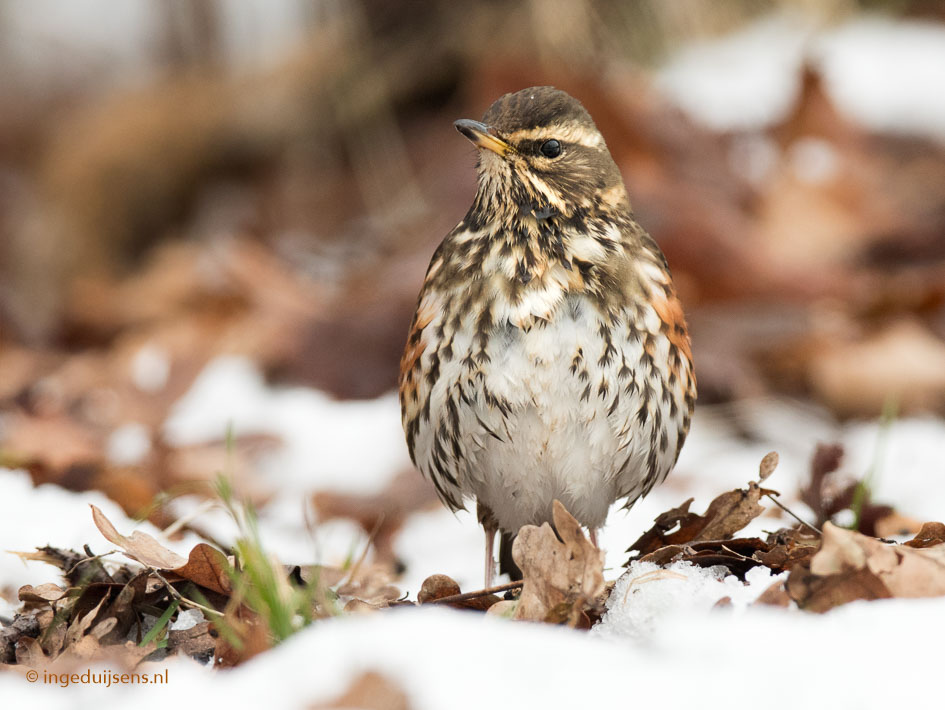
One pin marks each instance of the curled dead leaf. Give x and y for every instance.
(43, 593)
(560, 576)
(851, 566)
(435, 587)
(726, 515)
(206, 566)
(930, 534)
(138, 546)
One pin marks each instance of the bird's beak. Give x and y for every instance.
(482, 136)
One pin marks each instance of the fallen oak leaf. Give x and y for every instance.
(122, 612)
(851, 566)
(906, 572)
(726, 515)
(659, 535)
(559, 575)
(788, 547)
(42, 594)
(732, 511)
(81, 624)
(737, 554)
(138, 546)
(206, 566)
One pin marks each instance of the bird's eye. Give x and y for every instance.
(550, 148)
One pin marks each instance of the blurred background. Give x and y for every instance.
(265, 181)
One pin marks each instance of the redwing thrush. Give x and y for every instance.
(549, 356)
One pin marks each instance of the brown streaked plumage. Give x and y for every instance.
(549, 356)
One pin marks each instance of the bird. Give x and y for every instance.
(549, 356)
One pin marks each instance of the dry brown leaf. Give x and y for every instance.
(852, 566)
(43, 593)
(775, 595)
(855, 378)
(138, 546)
(29, 653)
(725, 516)
(737, 555)
(370, 691)
(371, 584)
(253, 634)
(356, 606)
(55, 442)
(440, 589)
(825, 461)
(121, 614)
(767, 465)
(559, 576)
(206, 566)
(504, 608)
(930, 534)
(894, 523)
(81, 624)
(436, 587)
(196, 642)
(732, 511)
(788, 547)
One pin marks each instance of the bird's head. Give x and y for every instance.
(541, 154)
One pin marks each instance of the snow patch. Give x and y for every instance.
(354, 446)
(885, 74)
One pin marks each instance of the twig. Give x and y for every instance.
(793, 514)
(96, 559)
(182, 599)
(454, 598)
(92, 558)
(737, 554)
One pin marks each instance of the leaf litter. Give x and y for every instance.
(208, 605)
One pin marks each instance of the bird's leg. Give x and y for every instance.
(491, 527)
(490, 559)
(592, 533)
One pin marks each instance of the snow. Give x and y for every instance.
(48, 40)
(743, 81)
(351, 446)
(864, 655)
(128, 444)
(647, 596)
(150, 368)
(889, 75)
(187, 619)
(886, 74)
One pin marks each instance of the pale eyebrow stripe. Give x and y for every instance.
(574, 133)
